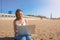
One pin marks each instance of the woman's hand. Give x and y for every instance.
(16, 31)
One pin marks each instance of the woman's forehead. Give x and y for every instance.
(20, 12)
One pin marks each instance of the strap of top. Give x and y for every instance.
(24, 23)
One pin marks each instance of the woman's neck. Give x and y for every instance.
(19, 18)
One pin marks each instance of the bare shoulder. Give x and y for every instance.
(26, 21)
(15, 20)
(14, 23)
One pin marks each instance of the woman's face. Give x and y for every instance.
(19, 14)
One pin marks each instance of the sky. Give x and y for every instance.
(34, 7)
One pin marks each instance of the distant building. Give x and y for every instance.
(12, 16)
(7, 15)
(42, 17)
(51, 16)
(9, 12)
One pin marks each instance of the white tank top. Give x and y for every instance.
(17, 24)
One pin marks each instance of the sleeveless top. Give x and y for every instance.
(24, 23)
(17, 24)
(19, 31)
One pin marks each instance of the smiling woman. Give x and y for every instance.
(20, 21)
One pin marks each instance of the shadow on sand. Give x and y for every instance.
(7, 38)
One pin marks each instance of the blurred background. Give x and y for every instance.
(44, 14)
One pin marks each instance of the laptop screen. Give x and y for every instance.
(26, 29)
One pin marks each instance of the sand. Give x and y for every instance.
(48, 29)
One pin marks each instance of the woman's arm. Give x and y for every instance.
(15, 29)
(26, 22)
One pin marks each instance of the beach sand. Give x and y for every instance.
(48, 29)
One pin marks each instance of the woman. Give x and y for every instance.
(19, 21)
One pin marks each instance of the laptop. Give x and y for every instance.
(26, 29)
